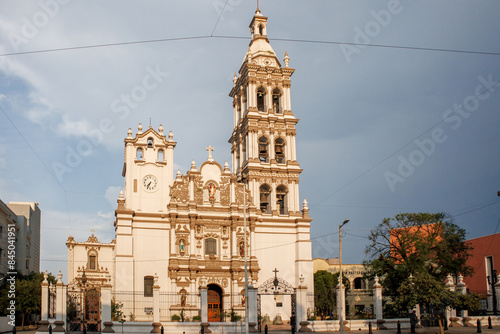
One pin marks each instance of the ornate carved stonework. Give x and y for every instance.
(179, 192)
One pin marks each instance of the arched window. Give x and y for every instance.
(161, 155)
(279, 150)
(148, 286)
(263, 149)
(276, 101)
(210, 246)
(92, 261)
(244, 149)
(281, 193)
(150, 142)
(265, 196)
(261, 99)
(261, 30)
(139, 154)
(359, 283)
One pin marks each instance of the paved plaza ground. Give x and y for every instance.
(426, 330)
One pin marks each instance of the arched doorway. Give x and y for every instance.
(214, 299)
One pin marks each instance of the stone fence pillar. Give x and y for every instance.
(301, 313)
(450, 313)
(341, 303)
(204, 309)
(377, 299)
(60, 305)
(462, 288)
(156, 306)
(252, 309)
(107, 324)
(44, 322)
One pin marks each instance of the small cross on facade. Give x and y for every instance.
(276, 271)
(210, 149)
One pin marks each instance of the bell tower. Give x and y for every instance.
(263, 139)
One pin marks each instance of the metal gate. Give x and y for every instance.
(277, 286)
(83, 309)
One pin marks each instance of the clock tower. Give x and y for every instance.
(148, 170)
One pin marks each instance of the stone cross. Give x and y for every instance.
(210, 149)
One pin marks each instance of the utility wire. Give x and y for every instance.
(160, 40)
(220, 15)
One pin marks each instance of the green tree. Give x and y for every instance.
(28, 295)
(325, 296)
(425, 246)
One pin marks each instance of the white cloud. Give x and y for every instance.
(106, 215)
(112, 194)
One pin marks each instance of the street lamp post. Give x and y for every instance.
(84, 288)
(492, 281)
(242, 179)
(342, 299)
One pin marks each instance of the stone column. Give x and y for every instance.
(60, 309)
(156, 306)
(451, 313)
(204, 308)
(252, 309)
(301, 313)
(462, 288)
(377, 299)
(107, 324)
(44, 323)
(341, 303)
(377, 303)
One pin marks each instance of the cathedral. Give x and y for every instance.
(178, 232)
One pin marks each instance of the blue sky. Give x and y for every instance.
(382, 130)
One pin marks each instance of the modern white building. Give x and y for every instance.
(180, 232)
(23, 219)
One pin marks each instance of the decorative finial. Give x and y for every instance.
(235, 79)
(210, 149)
(60, 276)
(178, 173)
(193, 166)
(160, 129)
(304, 205)
(121, 200)
(139, 128)
(45, 276)
(286, 59)
(170, 136)
(226, 166)
(129, 133)
(258, 10)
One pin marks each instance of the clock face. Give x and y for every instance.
(150, 182)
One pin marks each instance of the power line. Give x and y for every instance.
(220, 15)
(160, 40)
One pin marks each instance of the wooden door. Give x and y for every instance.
(214, 306)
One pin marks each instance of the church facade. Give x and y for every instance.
(180, 232)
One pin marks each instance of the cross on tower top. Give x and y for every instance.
(210, 149)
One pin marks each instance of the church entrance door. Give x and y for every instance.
(214, 297)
